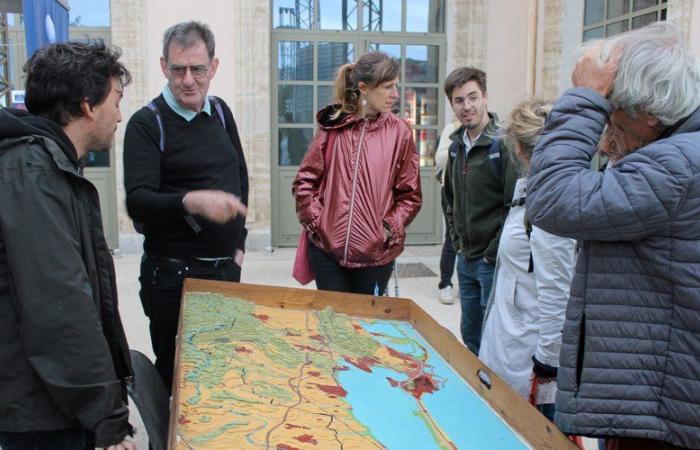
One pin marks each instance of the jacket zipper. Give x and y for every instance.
(352, 196)
(465, 197)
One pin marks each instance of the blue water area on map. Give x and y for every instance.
(391, 414)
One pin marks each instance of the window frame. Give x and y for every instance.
(659, 9)
(361, 41)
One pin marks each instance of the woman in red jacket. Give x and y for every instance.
(358, 186)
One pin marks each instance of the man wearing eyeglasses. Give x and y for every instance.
(186, 185)
(480, 179)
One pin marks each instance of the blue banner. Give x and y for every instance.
(45, 22)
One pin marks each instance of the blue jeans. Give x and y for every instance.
(475, 280)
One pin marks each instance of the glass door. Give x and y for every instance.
(420, 105)
(310, 40)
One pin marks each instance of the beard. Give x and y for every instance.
(101, 144)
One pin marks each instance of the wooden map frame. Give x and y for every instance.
(523, 418)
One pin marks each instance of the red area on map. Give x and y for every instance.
(317, 337)
(306, 438)
(286, 447)
(261, 317)
(289, 426)
(307, 348)
(243, 350)
(392, 382)
(182, 420)
(332, 390)
(314, 373)
(340, 368)
(420, 385)
(410, 360)
(364, 362)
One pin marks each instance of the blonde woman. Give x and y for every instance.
(525, 315)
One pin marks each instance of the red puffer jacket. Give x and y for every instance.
(370, 180)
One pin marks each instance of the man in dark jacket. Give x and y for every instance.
(63, 352)
(187, 183)
(630, 357)
(479, 183)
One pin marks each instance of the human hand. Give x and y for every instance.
(608, 146)
(123, 445)
(238, 257)
(589, 73)
(387, 234)
(544, 373)
(216, 206)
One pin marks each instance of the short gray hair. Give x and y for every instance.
(188, 34)
(657, 74)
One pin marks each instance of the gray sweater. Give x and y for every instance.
(630, 358)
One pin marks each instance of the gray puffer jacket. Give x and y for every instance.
(630, 359)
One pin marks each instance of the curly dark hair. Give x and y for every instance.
(61, 76)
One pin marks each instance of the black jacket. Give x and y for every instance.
(63, 352)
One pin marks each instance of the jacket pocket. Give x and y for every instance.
(507, 286)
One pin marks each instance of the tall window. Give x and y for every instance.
(312, 38)
(603, 18)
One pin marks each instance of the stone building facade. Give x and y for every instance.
(527, 47)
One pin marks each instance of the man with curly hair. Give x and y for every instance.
(63, 351)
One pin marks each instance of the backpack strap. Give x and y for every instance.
(219, 110)
(495, 156)
(159, 120)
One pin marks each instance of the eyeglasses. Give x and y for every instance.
(198, 72)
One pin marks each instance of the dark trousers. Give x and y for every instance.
(448, 254)
(547, 410)
(73, 439)
(331, 276)
(161, 290)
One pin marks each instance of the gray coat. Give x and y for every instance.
(630, 359)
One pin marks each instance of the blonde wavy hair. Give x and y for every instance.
(526, 124)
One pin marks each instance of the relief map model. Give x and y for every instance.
(255, 377)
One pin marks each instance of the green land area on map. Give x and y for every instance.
(259, 377)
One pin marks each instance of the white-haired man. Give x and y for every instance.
(630, 359)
